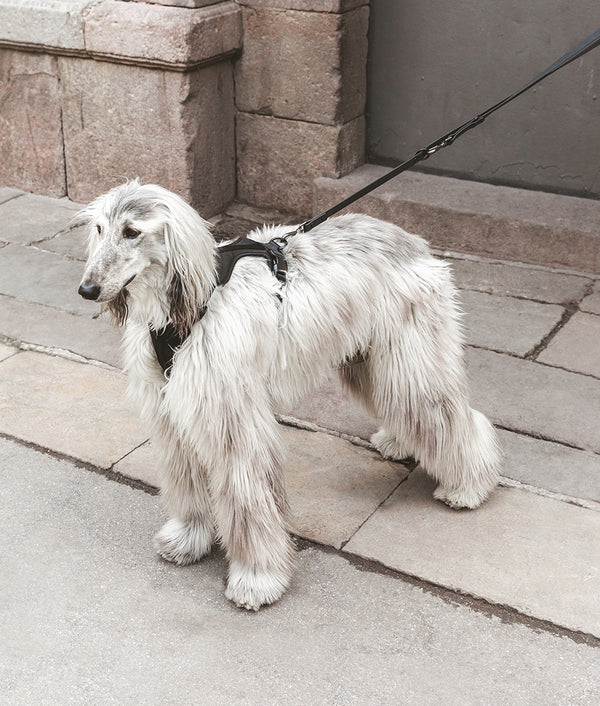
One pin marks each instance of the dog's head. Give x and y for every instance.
(143, 238)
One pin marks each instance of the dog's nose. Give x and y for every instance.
(89, 290)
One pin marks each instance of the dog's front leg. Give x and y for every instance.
(188, 535)
(251, 514)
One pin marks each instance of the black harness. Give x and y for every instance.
(167, 340)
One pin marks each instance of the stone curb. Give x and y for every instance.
(494, 221)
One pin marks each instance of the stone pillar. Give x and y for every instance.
(125, 89)
(300, 97)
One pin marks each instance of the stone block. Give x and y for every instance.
(576, 346)
(536, 399)
(30, 218)
(303, 65)
(95, 339)
(31, 152)
(38, 23)
(159, 35)
(172, 128)
(71, 408)
(142, 464)
(506, 280)
(71, 242)
(554, 467)
(519, 549)
(43, 278)
(465, 216)
(182, 3)
(507, 324)
(277, 159)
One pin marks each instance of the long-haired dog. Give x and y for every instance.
(362, 296)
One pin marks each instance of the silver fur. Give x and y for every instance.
(362, 296)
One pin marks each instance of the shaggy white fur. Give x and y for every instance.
(362, 296)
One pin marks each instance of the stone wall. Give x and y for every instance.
(300, 97)
(92, 93)
(96, 91)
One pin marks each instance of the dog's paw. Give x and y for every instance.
(388, 447)
(459, 498)
(252, 588)
(183, 543)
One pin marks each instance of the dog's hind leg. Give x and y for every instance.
(420, 393)
(188, 535)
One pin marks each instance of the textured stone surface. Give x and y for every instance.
(516, 281)
(72, 408)
(575, 346)
(53, 328)
(332, 408)
(70, 242)
(303, 66)
(334, 486)
(29, 218)
(162, 35)
(43, 278)
(31, 151)
(307, 5)
(505, 323)
(548, 465)
(183, 138)
(182, 3)
(536, 399)
(534, 553)
(277, 159)
(496, 221)
(6, 193)
(142, 464)
(6, 351)
(591, 303)
(92, 608)
(57, 24)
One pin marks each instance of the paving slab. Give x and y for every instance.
(333, 486)
(44, 278)
(552, 466)
(7, 193)
(591, 303)
(71, 242)
(95, 339)
(71, 408)
(6, 351)
(31, 217)
(505, 323)
(526, 396)
(576, 346)
(508, 280)
(332, 408)
(94, 617)
(534, 553)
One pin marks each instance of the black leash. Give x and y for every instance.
(587, 45)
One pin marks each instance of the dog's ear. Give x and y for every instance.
(190, 261)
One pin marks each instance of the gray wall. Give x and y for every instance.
(434, 64)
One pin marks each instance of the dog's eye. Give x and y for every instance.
(99, 228)
(131, 233)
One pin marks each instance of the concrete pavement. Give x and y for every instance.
(397, 598)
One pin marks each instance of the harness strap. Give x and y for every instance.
(167, 340)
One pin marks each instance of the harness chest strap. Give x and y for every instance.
(167, 340)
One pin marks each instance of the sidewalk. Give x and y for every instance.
(397, 598)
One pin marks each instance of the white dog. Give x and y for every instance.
(361, 295)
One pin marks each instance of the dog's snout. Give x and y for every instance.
(89, 290)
